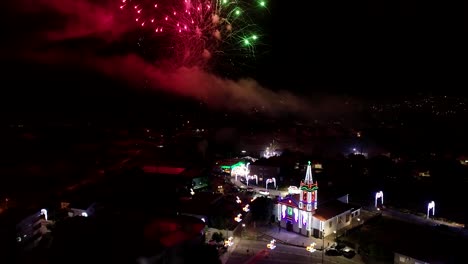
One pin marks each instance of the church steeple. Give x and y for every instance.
(308, 191)
(308, 177)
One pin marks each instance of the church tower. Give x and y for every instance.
(308, 197)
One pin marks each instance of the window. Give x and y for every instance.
(340, 219)
(347, 217)
(330, 223)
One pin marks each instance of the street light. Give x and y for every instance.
(334, 232)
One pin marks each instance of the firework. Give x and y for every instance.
(195, 31)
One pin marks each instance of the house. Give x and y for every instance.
(403, 259)
(78, 209)
(26, 227)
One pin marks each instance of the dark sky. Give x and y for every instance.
(355, 45)
(347, 47)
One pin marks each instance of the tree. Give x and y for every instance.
(261, 209)
(217, 236)
(202, 253)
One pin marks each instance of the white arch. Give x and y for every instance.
(251, 177)
(378, 195)
(430, 208)
(271, 180)
(44, 213)
(241, 170)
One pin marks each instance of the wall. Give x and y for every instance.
(402, 259)
(336, 223)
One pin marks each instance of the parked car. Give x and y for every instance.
(332, 252)
(348, 252)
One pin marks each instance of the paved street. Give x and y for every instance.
(411, 218)
(256, 251)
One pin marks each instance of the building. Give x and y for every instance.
(21, 229)
(403, 259)
(77, 209)
(301, 213)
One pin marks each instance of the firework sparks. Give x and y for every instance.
(197, 30)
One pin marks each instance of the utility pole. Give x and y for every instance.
(323, 243)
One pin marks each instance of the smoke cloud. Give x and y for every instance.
(99, 19)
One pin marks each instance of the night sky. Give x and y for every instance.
(354, 45)
(59, 50)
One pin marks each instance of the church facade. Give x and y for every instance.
(299, 212)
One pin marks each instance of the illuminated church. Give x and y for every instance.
(297, 212)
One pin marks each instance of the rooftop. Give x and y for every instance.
(331, 209)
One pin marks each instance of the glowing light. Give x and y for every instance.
(430, 208)
(304, 218)
(272, 244)
(229, 242)
(44, 213)
(378, 195)
(238, 200)
(311, 248)
(238, 218)
(212, 26)
(241, 170)
(271, 180)
(246, 208)
(251, 177)
(293, 190)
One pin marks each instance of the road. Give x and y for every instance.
(257, 189)
(415, 219)
(256, 252)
